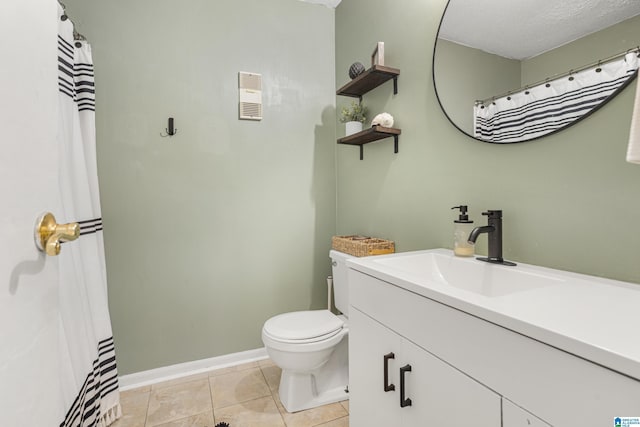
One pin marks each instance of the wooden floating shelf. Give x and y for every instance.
(370, 79)
(372, 134)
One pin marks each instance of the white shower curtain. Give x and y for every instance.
(550, 106)
(89, 377)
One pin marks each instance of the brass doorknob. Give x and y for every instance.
(49, 234)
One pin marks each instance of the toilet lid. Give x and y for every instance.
(303, 325)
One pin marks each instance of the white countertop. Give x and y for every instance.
(591, 317)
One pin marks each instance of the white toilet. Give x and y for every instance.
(311, 348)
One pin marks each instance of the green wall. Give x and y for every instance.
(212, 231)
(570, 200)
(465, 75)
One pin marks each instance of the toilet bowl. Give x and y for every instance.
(311, 348)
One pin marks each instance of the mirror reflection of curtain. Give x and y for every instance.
(547, 107)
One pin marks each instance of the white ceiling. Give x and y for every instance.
(328, 3)
(531, 27)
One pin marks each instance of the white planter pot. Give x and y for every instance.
(352, 127)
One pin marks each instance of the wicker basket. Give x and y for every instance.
(362, 246)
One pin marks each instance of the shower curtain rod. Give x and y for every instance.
(76, 35)
(563, 74)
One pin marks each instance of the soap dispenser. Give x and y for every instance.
(462, 227)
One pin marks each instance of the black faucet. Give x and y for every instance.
(494, 232)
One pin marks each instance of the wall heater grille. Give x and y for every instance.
(250, 93)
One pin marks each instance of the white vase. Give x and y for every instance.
(352, 127)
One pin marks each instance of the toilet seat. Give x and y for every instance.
(302, 327)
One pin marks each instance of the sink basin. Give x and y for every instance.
(468, 274)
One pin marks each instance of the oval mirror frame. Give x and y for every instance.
(439, 95)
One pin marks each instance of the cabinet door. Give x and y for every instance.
(443, 396)
(369, 342)
(515, 416)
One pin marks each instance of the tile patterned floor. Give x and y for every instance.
(243, 396)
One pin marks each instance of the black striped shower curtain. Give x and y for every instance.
(89, 378)
(547, 107)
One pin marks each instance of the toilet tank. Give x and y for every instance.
(340, 287)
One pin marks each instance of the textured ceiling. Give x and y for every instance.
(328, 3)
(523, 29)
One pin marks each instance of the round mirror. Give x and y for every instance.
(511, 71)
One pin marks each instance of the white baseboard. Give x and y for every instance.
(171, 372)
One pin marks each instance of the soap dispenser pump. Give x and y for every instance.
(462, 227)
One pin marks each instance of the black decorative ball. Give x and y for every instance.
(355, 70)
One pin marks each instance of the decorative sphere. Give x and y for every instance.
(355, 70)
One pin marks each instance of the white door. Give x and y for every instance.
(29, 388)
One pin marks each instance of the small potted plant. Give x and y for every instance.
(353, 117)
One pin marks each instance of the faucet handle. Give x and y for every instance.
(495, 214)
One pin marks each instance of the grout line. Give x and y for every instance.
(271, 393)
(243, 401)
(251, 400)
(213, 411)
(146, 413)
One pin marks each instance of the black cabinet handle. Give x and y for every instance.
(404, 402)
(387, 386)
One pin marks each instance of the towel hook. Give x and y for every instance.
(170, 129)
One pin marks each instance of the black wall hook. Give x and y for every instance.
(170, 129)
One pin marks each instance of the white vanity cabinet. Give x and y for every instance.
(467, 371)
(514, 416)
(393, 382)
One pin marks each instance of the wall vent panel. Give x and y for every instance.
(250, 94)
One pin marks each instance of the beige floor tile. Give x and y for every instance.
(313, 416)
(135, 391)
(129, 421)
(200, 420)
(261, 412)
(235, 368)
(180, 380)
(340, 422)
(272, 374)
(134, 408)
(265, 362)
(173, 403)
(126, 421)
(345, 404)
(236, 387)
